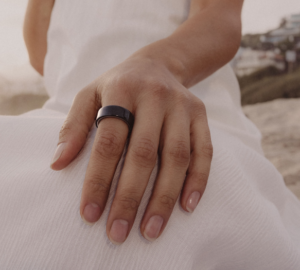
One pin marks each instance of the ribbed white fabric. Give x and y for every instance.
(247, 218)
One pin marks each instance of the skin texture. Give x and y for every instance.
(35, 29)
(153, 81)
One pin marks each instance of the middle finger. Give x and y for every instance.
(139, 163)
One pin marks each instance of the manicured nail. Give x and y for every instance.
(153, 227)
(91, 213)
(59, 149)
(193, 201)
(118, 231)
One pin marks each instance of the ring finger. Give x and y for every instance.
(139, 163)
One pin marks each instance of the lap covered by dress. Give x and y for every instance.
(246, 219)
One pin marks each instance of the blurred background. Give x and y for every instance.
(267, 66)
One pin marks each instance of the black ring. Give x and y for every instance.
(118, 112)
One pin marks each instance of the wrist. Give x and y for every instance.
(163, 53)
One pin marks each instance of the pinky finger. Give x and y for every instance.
(198, 171)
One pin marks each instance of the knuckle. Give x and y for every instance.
(98, 187)
(207, 136)
(199, 103)
(144, 152)
(124, 83)
(183, 98)
(200, 108)
(159, 90)
(94, 99)
(65, 130)
(207, 150)
(200, 178)
(109, 144)
(128, 203)
(180, 153)
(90, 94)
(82, 94)
(71, 128)
(167, 201)
(72, 125)
(121, 86)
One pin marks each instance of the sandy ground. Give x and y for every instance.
(279, 123)
(22, 103)
(278, 120)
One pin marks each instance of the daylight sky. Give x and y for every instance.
(262, 15)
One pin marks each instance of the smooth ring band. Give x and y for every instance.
(116, 112)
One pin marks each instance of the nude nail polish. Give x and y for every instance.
(118, 231)
(59, 149)
(91, 213)
(153, 227)
(193, 201)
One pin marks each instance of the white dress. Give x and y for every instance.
(247, 218)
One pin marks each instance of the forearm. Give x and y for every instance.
(35, 29)
(206, 41)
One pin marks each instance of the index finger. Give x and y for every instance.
(76, 127)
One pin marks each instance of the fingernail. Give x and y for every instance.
(59, 149)
(193, 201)
(153, 227)
(118, 231)
(91, 213)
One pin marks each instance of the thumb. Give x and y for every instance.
(76, 127)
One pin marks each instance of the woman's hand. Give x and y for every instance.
(169, 120)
